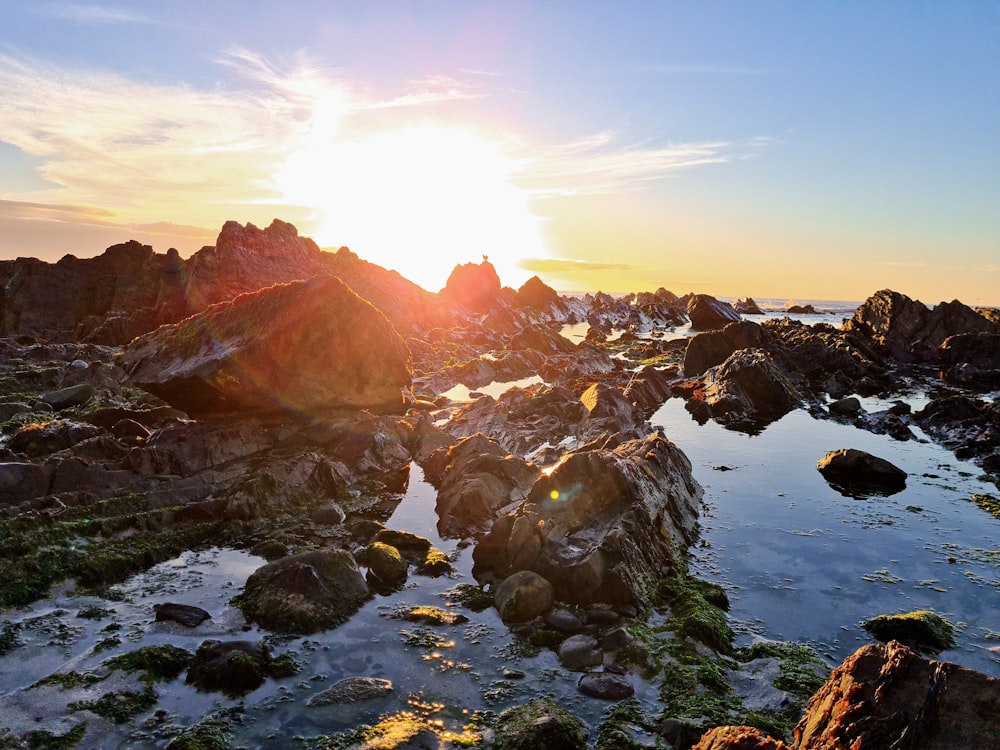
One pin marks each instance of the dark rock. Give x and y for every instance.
(300, 346)
(747, 307)
(615, 639)
(352, 690)
(578, 652)
(328, 514)
(845, 407)
(852, 471)
(385, 565)
(542, 338)
(10, 409)
(539, 723)
(129, 429)
(706, 312)
(74, 395)
(186, 614)
(233, 667)
(748, 390)
(971, 360)
(563, 620)
(305, 593)
(523, 596)
(712, 348)
(800, 310)
(907, 330)
(536, 294)
(609, 686)
(922, 630)
(40, 439)
(405, 541)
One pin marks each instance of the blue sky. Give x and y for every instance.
(772, 149)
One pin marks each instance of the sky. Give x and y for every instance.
(782, 150)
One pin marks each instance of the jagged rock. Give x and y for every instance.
(234, 667)
(542, 338)
(611, 409)
(475, 286)
(536, 294)
(185, 614)
(523, 596)
(539, 723)
(352, 690)
(748, 390)
(300, 346)
(922, 630)
(907, 330)
(328, 514)
(747, 307)
(738, 738)
(64, 398)
(887, 696)
(854, 471)
(706, 312)
(712, 348)
(481, 481)
(40, 439)
(800, 310)
(305, 593)
(971, 360)
(600, 524)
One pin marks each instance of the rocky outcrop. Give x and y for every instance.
(712, 348)
(539, 296)
(601, 524)
(746, 392)
(971, 360)
(855, 472)
(707, 313)
(303, 346)
(907, 330)
(305, 593)
(235, 667)
(539, 723)
(747, 307)
(969, 426)
(738, 738)
(474, 286)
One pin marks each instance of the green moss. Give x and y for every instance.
(119, 707)
(693, 615)
(988, 503)
(469, 596)
(201, 737)
(40, 739)
(801, 671)
(157, 663)
(618, 729)
(70, 680)
(94, 612)
(923, 630)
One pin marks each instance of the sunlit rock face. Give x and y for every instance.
(476, 286)
(602, 525)
(303, 346)
(908, 330)
(707, 313)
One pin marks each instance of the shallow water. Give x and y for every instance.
(802, 562)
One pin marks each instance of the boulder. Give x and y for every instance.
(922, 630)
(748, 390)
(42, 438)
(64, 398)
(352, 690)
(187, 615)
(305, 593)
(609, 686)
(474, 286)
(601, 525)
(907, 330)
(712, 348)
(579, 652)
(539, 723)
(800, 310)
(303, 346)
(386, 567)
(523, 596)
(971, 360)
(706, 312)
(747, 307)
(480, 482)
(235, 667)
(853, 472)
(537, 295)
(849, 406)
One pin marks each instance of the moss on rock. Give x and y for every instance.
(923, 630)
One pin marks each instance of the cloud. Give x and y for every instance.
(567, 265)
(91, 14)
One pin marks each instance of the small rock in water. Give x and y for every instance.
(578, 652)
(352, 690)
(186, 614)
(563, 620)
(606, 685)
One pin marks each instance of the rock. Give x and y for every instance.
(738, 738)
(352, 690)
(406, 542)
(712, 348)
(616, 639)
(539, 723)
(800, 310)
(542, 338)
(74, 395)
(609, 686)
(971, 360)
(609, 407)
(601, 525)
(537, 295)
(748, 390)
(234, 667)
(907, 330)
(186, 614)
(475, 286)
(385, 565)
(129, 429)
(563, 620)
(852, 471)
(887, 696)
(845, 407)
(481, 480)
(578, 652)
(523, 596)
(922, 630)
(747, 307)
(328, 514)
(20, 481)
(10, 409)
(302, 346)
(305, 593)
(40, 439)
(706, 312)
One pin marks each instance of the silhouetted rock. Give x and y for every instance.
(711, 348)
(853, 471)
(800, 310)
(747, 307)
(475, 286)
(908, 330)
(971, 360)
(536, 294)
(706, 312)
(300, 346)
(235, 667)
(747, 391)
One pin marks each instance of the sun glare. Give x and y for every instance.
(418, 199)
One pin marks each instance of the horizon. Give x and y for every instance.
(785, 151)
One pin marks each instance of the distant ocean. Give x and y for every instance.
(775, 305)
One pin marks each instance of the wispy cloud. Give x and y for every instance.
(91, 14)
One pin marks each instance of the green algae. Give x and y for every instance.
(801, 671)
(119, 706)
(697, 609)
(923, 630)
(469, 596)
(157, 663)
(70, 680)
(989, 503)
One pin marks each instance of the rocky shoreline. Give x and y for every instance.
(267, 396)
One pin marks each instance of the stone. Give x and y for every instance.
(305, 593)
(578, 652)
(539, 723)
(747, 391)
(971, 360)
(352, 690)
(74, 395)
(538, 295)
(849, 406)
(616, 639)
(563, 620)
(233, 667)
(40, 439)
(302, 347)
(609, 686)
(711, 348)
(328, 514)
(706, 312)
(747, 307)
(129, 429)
(542, 338)
(385, 565)
(922, 630)
(474, 286)
(738, 738)
(523, 596)
(851, 472)
(185, 614)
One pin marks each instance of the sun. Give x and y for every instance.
(418, 199)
